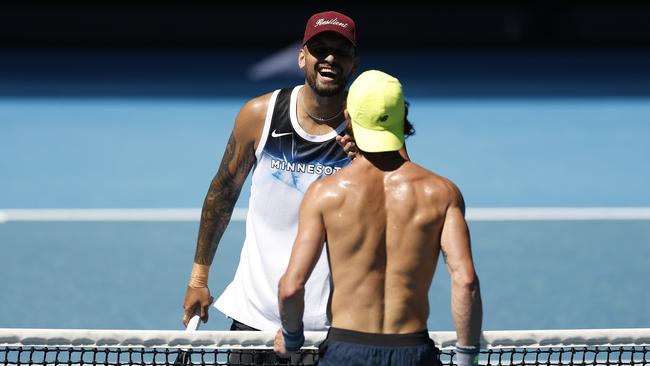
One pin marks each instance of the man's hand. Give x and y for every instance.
(197, 301)
(278, 345)
(348, 145)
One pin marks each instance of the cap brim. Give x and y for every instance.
(330, 29)
(378, 141)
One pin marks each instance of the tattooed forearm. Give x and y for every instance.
(238, 159)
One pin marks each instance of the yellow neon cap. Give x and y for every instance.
(376, 107)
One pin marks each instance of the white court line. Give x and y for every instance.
(557, 213)
(110, 214)
(239, 214)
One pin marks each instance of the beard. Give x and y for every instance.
(325, 91)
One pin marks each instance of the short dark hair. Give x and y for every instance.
(409, 130)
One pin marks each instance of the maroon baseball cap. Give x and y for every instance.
(330, 21)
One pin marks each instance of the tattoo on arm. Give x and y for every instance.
(238, 159)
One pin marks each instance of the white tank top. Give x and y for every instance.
(288, 161)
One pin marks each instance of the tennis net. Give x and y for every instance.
(131, 347)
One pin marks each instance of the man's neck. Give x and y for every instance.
(384, 161)
(320, 110)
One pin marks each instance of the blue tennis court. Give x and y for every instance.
(132, 275)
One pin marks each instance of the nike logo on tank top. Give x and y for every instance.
(288, 161)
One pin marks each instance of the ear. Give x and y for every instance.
(301, 58)
(355, 65)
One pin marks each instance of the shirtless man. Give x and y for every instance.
(385, 220)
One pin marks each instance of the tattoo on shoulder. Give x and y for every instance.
(238, 159)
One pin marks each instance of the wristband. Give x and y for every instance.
(293, 340)
(199, 276)
(467, 355)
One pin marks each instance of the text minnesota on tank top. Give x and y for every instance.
(288, 161)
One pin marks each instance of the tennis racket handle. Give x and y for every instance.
(194, 322)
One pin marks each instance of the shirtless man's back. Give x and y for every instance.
(382, 261)
(385, 220)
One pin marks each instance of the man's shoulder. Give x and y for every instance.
(425, 175)
(251, 116)
(262, 101)
(323, 184)
(436, 184)
(257, 105)
(325, 190)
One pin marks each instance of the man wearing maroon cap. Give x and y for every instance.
(293, 137)
(330, 21)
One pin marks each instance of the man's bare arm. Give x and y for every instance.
(466, 304)
(237, 161)
(306, 251)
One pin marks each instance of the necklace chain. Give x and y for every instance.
(319, 119)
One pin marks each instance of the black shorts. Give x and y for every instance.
(347, 347)
(265, 357)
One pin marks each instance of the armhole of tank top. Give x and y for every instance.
(267, 125)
